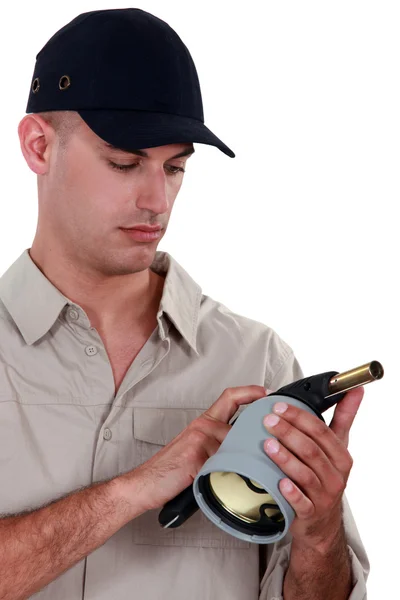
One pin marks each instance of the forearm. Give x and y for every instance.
(37, 547)
(322, 573)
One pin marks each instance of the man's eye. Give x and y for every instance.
(175, 170)
(171, 169)
(122, 167)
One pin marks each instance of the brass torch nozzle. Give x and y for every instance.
(342, 382)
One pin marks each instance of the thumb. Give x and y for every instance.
(345, 413)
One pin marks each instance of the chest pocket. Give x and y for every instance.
(153, 428)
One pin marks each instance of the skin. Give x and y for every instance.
(317, 462)
(83, 203)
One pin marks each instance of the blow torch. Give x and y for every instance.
(237, 487)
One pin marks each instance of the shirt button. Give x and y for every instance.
(91, 350)
(107, 434)
(74, 314)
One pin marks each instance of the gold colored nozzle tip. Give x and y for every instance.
(343, 382)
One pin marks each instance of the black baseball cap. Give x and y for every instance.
(128, 75)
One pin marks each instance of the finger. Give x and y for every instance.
(300, 473)
(230, 400)
(212, 428)
(211, 446)
(302, 506)
(301, 459)
(345, 413)
(317, 430)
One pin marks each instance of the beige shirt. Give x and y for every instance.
(62, 427)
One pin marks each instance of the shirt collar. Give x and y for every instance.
(181, 297)
(35, 303)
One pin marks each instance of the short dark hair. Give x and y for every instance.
(64, 123)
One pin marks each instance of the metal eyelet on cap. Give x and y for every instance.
(35, 85)
(64, 82)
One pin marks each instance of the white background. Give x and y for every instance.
(300, 230)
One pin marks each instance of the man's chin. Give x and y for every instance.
(138, 258)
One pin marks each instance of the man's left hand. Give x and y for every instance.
(316, 460)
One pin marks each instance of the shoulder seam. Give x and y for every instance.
(284, 360)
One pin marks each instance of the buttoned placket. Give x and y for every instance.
(106, 455)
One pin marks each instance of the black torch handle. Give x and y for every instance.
(179, 509)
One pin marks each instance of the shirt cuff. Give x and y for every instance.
(359, 591)
(271, 587)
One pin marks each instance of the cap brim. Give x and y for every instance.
(134, 130)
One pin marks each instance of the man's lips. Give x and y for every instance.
(143, 227)
(143, 233)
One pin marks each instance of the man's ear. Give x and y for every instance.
(36, 138)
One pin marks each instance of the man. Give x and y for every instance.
(118, 377)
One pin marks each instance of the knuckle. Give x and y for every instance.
(310, 451)
(349, 461)
(189, 454)
(320, 428)
(202, 422)
(308, 510)
(213, 427)
(310, 479)
(339, 484)
(196, 437)
(228, 396)
(228, 392)
(284, 428)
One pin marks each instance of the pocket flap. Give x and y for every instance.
(161, 425)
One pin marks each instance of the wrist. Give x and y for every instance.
(322, 547)
(128, 490)
(319, 571)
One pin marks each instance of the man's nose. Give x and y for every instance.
(154, 193)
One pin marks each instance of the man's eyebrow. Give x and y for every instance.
(185, 152)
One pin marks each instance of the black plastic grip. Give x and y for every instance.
(182, 506)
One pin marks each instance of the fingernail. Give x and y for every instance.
(272, 446)
(271, 420)
(287, 485)
(280, 407)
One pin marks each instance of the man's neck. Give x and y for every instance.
(111, 303)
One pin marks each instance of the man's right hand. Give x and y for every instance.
(74, 526)
(175, 467)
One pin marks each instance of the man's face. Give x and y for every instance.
(92, 191)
